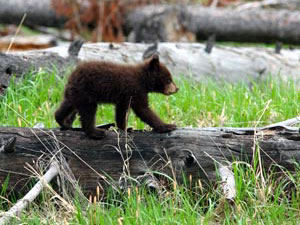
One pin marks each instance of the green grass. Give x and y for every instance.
(184, 205)
(270, 199)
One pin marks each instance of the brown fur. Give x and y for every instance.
(123, 85)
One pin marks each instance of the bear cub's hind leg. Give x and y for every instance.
(65, 115)
(87, 113)
(70, 119)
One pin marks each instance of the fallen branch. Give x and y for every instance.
(290, 122)
(279, 4)
(228, 182)
(30, 196)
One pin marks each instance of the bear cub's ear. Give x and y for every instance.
(154, 61)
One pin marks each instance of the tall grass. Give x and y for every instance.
(273, 200)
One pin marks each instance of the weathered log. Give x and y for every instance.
(195, 151)
(27, 42)
(18, 64)
(258, 25)
(229, 64)
(38, 12)
(176, 22)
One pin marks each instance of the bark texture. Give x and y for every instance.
(194, 151)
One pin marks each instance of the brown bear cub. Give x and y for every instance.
(123, 85)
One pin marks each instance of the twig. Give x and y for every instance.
(17, 31)
(30, 196)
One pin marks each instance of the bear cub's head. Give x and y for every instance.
(158, 77)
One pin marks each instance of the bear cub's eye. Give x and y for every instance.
(169, 81)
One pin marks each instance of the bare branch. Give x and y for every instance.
(31, 195)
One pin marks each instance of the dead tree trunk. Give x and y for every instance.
(152, 23)
(194, 151)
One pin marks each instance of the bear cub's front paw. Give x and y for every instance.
(165, 128)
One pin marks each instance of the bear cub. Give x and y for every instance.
(126, 86)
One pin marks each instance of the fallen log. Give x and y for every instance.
(231, 64)
(18, 64)
(19, 43)
(195, 151)
(38, 13)
(151, 23)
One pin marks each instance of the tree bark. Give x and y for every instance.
(195, 151)
(231, 64)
